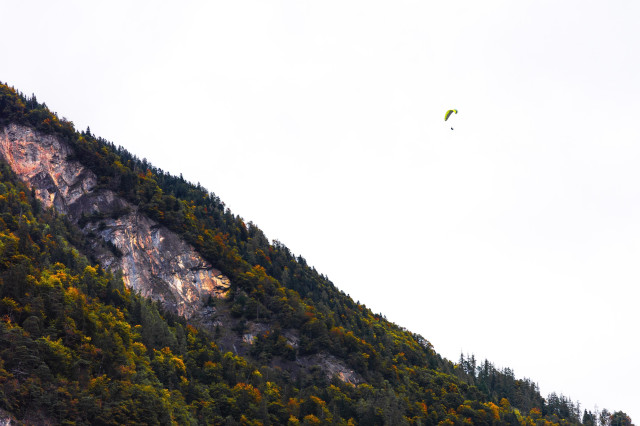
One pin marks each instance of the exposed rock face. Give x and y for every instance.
(7, 419)
(332, 366)
(155, 261)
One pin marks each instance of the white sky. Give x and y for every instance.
(514, 237)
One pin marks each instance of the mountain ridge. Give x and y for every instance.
(285, 309)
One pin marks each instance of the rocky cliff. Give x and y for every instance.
(154, 261)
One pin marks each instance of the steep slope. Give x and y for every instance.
(138, 219)
(154, 261)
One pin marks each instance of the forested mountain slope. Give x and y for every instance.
(280, 344)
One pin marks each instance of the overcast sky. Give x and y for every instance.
(515, 236)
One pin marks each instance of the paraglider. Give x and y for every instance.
(448, 114)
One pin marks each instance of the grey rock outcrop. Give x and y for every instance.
(154, 261)
(7, 419)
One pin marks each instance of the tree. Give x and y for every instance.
(620, 418)
(589, 419)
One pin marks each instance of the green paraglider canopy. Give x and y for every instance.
(448, 113)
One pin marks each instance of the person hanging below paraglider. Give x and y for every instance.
(448, 114)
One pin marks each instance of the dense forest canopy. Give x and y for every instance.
(77, 346)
